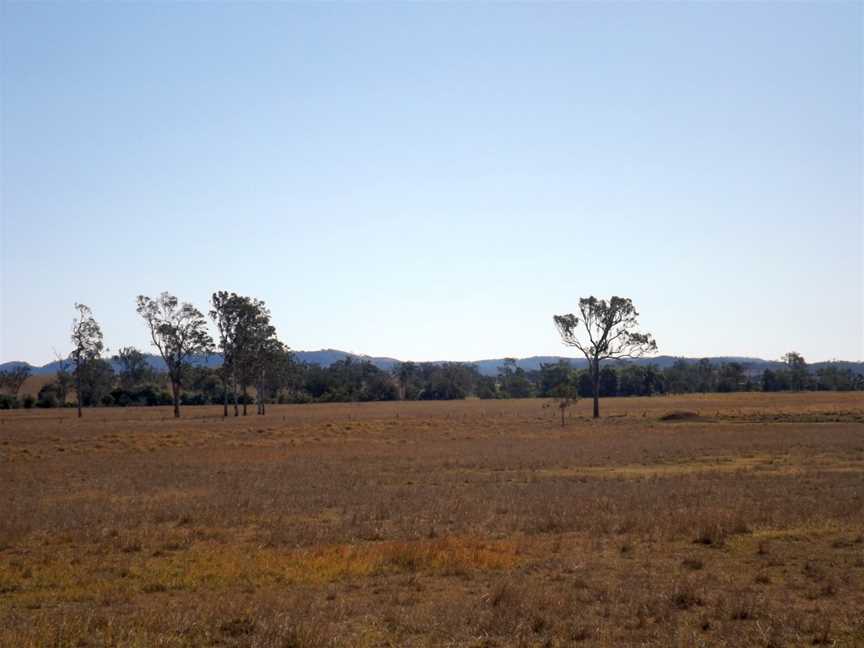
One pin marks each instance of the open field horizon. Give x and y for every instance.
(336, 218)
(719, 520)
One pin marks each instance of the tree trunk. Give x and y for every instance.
(562, 417)
(176, 389)
(234, 393)
(78, 388)
(245, 399)
(259, 397)
(595, 385)
(225, 398)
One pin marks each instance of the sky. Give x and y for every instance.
(434, 181)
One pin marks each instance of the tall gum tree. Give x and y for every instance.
(179, 332)
(608, 332)
(256, 346)
(87, 345)
(226, 309)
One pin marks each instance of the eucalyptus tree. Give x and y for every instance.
(87, 346)
(270, 354)
(608, 333)
(13, 379)
(64, 378)
(226, 309)
(179, 332)
(797, 369)
(252, 328)
(134, 368)
(259, 351)
(405, 373)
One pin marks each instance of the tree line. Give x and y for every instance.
(258, 369)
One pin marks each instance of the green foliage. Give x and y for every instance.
(251, 352)
(134, 369)
(836, 377)
(513, 381)
(609, 381)
(8, 402)
(178, 331)
(796, 369)
(97, 380)
(552, 376)
(48, 396)
(605, 331)
(141, 395)
(86, 338)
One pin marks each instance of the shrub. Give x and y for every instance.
(194, 399)
(150, 395)
(298, 397)
(28, 401)
(8, 402)
(122, 398)
(46, 399)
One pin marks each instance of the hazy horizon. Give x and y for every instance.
(434, 182)
(566, 353)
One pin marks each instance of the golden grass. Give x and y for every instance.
(437, 524)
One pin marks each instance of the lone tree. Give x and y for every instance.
(178, 331)
(87, 346)
(610, 329)
(564, 396)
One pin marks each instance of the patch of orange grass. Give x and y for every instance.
(217, 566)
(335, 562)
(443, 555)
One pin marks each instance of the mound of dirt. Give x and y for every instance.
(680, 415)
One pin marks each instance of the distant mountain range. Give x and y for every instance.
(326, 357)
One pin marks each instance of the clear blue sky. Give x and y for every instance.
(435, 181)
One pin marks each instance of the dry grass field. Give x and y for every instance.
(737, 522)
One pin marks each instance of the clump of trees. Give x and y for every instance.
(251, 352)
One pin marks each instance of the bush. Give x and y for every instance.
(48, 396)
(8, 402)
(122, 398)
(28, 401)
(46, 399)
(193, 399)
(295, 397)
(150, 395)
(107, 400)
(379, 388)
